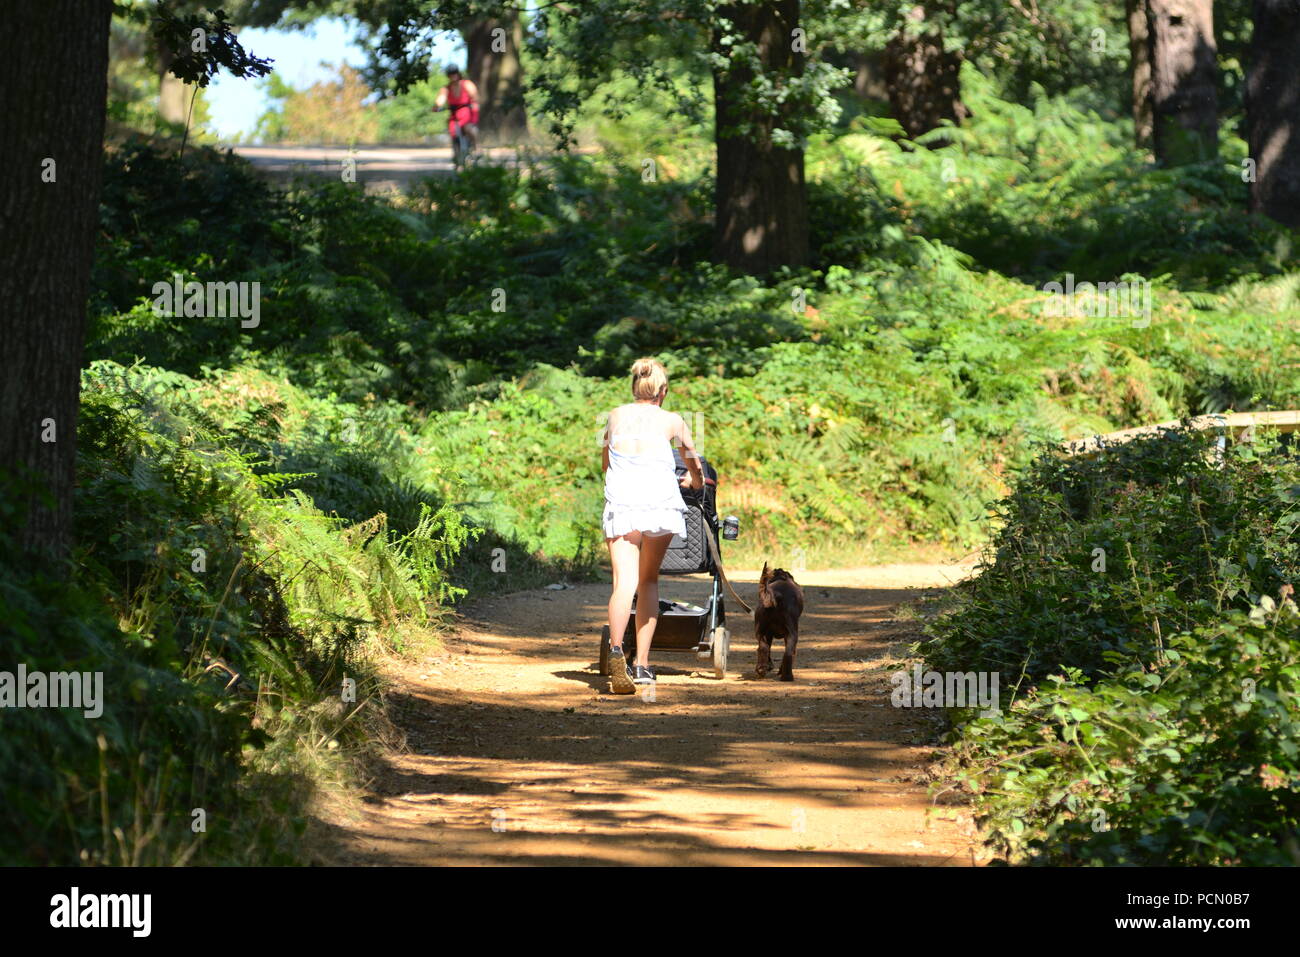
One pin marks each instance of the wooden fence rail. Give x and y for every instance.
(1232, 424)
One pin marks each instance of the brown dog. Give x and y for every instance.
(780, 603)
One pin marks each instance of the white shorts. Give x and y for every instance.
(619, 520)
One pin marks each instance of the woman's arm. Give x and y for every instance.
(604, 450)
(695, 478)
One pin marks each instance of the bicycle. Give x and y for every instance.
(462, 147)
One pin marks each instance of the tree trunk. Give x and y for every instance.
(493, 65)
(54, 71)
(761, 202)
(1140, 61)
(1184, 74)
(924, 80)
(173, 103)
(868, 72)
(1273, 110)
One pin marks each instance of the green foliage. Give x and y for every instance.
(361, 297)
(1137, 606)
(339, 109)
(1067, 45)
(174, 29)
(906, 393)
(133, 82)
(1040, 188)
(1177, 537)
(262, 510)
(224, 610)
(1192, 762)
(409, 118)
(117, 788)
(903, 413)
(421, 401)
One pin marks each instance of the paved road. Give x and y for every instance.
(378, 168)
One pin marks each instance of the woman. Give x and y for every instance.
(460, 98)
(643, 511)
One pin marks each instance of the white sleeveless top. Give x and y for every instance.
(641, 490)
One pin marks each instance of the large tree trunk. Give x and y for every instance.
(54, 73)
(1139, 48)
(923, 79)
(1184, 74)
(494, 67)
(1273, 109)
(761, 202)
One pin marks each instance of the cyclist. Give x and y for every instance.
(460, 98)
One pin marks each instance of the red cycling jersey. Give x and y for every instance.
(461, 110)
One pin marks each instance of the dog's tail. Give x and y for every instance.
(765, 598)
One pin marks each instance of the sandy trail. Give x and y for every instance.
(519, 755)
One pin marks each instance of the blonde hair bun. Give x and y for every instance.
(649, 378)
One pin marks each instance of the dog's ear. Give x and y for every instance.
(763, 577)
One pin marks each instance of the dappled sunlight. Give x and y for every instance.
(513, 726)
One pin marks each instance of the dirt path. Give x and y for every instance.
(518, 754)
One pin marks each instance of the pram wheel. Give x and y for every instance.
(721, 644)
(604, 651)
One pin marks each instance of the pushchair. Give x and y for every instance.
(684, 627)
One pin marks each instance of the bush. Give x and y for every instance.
(1138, 605)
(117, 788)
(1099, 559)
(224, 610)
(1190, 762)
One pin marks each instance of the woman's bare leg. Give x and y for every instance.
(624, 555)
(647, 589)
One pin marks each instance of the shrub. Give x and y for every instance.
(1155, 706)
(1192, 761)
